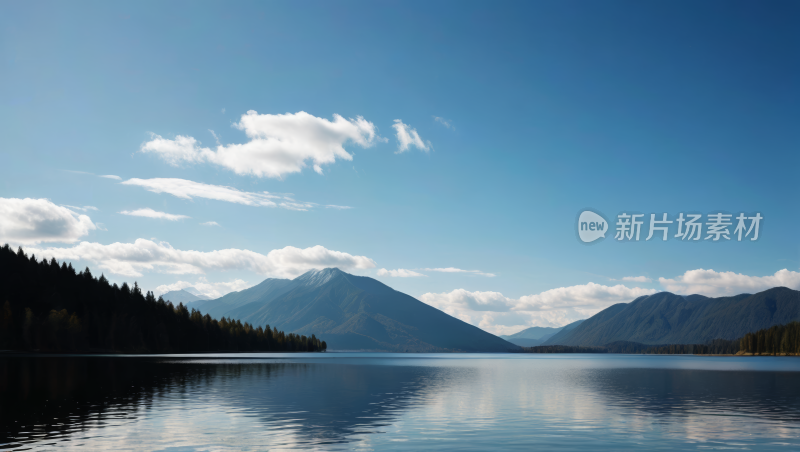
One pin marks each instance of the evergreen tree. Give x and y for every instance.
(48, 307)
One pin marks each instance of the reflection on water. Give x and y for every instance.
(399, 402)
(44, 399)
(767, 396)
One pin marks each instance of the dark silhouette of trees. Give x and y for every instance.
(563, 349)
(778, 340)
(52, 308)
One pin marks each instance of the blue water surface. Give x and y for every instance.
(374, 401)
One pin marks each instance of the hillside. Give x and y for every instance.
(354, 313)
(536, 335)
(666, 318)
(267, 290)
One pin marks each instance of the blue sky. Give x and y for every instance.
(545, 109)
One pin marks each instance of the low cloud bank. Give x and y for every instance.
(132, 259)
(33, 221)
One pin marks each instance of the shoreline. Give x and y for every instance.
(238, 355)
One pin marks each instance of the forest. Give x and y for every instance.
(563, 349)
(50, 307)
(777, 340)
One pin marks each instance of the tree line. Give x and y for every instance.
(564, 349)
(50, 307)
(776, 340)
(715, 347)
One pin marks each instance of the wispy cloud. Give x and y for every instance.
(216, 138)
(150, 213)
(457, 270)
(407, 137)
(210, 223)
(32, 221)
(279, 144)
(186, 189)
(445, 122)
(132, 259)
(399, 273)
(331, 206)
(82, 209)
(299, 206)
(111, 176)
(639, 279)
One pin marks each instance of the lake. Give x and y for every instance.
(371, 401)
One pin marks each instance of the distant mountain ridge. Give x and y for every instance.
(666, 318)
(183, 296)
(537, 335)
(353, 313)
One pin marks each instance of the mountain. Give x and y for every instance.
(266, 290)
(353, 313)
(537, 335)
(534, 332)
(197, 293)
(182, 296)
(666, 318)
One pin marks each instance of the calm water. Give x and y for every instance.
(400, 402)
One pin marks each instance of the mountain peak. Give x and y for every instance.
(317, 277)
(195, 292)
(182, 296)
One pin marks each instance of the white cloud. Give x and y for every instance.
(111, 176)
(299, 206)
(586, 296)
(31, 221)
(279, 144)
(399, 273)
(498, 314)
(445, 122)
(216, 137)
(181, 149)
(641, 279)
(457, 270)
(210, 223)
(186, 189)
(82, 209)
(211, 290)
(331, 206)
(409, 137)
(490, 311)
(150, 213)
(472, 301)
(718, 284)
(131, 259)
